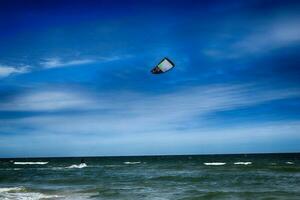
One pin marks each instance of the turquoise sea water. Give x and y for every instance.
(261, 176)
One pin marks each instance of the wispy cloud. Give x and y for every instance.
(9, 70)
(47, 100)
(129, 112)
(261, 38)
(57, 62)
(273, 36)
(201, 98)
(266, 137)
(6, 71)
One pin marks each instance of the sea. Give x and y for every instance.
(188, 177)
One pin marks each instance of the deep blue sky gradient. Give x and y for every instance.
(75, 77)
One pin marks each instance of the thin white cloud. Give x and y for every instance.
(48, 100)
(132, 112)
(175, 119)
(265, 137)
(263, 37)
(9, 70)
(274, 36)
(49, 63)
(113, 58)
(59, 62)
(56, 62)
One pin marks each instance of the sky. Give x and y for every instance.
(75, 77)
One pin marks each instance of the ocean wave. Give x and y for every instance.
(215, 163)
(289, 163)
(10, 169)
(131, 163)
(113, 165)
(11, 189)
(243, 163)
(21, 193)
(30, 163)
(82, 165)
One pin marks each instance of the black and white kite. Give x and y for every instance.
(164, 66)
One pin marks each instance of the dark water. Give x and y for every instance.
(263, 176)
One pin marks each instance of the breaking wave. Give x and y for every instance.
(243, 163)
(289, 163)
(30, 163)
(215, 163)
(21, 193)
(11, 189)
(82, 165)
(131, 163)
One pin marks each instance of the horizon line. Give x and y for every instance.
(151, 155)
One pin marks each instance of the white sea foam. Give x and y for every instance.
(20, 194)
(56, 168)
(289, 163)
(10, 189)
(243, 163)
(30, 163)
(81, 165)
(215, 163)
(131, 163)
(10, 169)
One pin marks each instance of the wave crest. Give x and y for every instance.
(10, 189)
(30, 163)
(289, 163)
(215, 163)
(82, 165)
(243, 163)
(131, 163)
(21, 193)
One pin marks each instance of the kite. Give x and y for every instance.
(164, 66)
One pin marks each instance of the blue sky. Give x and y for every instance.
(75, 77)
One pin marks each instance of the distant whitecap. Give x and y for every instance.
(82, 165)
(131, 163)
(21, 193)
(289, 163)
(215, 163)
(30, 163)
(9, 189)
(243, 163)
